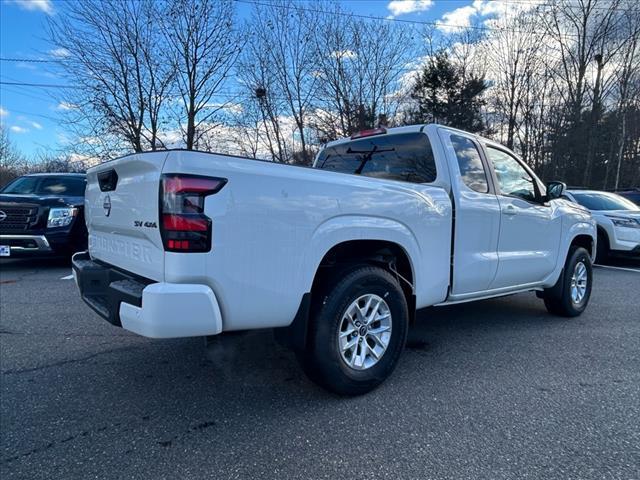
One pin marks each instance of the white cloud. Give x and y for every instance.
(36, 125)
(66, 106)
(45, 6)
(59, 52)
(460, 17)
(402, 7)
(17, 129)
(3, 112)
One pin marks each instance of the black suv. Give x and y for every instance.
(43, 214)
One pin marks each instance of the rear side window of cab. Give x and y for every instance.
(407, 157)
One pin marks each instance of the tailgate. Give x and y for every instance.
(122, 210)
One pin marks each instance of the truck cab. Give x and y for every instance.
(508, 234)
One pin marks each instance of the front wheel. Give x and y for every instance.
(358, 332)
(570, 295)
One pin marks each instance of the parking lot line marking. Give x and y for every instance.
(618, 268)
(68, 277)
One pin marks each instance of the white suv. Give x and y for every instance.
(618, 222)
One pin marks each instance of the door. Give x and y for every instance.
(529, 229)
(476, 215)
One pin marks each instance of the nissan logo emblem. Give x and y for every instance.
(2, 215)
(107, 206)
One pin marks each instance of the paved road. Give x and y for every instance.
(498, 389)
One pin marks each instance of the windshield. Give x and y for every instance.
(604, 201)
(40, 185)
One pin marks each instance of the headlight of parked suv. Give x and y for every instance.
(625, 222)
(61, 217)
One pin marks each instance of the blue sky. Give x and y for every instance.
(32, 114)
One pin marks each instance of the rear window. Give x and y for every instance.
(407, 157)
(41, 185)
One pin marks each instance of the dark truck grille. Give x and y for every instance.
(18, 219)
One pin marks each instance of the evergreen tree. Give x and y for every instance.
(442, 94)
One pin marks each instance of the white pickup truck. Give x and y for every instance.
(336, 258)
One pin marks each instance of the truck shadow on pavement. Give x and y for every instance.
(251, 370)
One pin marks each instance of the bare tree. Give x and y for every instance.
(582, 32)
(265, 104)
(359, 65)
(113, 63)
(202, 47)
(11, 160)
(146, 74)
(247, 127)
(627, 79)
(283, 36)
(513, 57)
(51, 162)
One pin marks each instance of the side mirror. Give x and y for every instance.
(555, 190)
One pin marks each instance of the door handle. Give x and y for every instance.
(510, 210)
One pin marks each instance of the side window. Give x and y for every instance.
(470, 164)
(513, 179)
(407, 157)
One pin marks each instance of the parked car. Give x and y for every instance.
(633, 195)
(618, 222)
(337, 258)
(43, 214)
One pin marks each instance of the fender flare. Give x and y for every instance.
(345, 228)
(579, 228)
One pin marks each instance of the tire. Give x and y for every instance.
(602, 249)
(356, 370)
(566, 298)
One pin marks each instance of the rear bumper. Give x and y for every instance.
(155, 310)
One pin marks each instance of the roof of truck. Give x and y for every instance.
(393, 130)
(404, 129)
(56, 174)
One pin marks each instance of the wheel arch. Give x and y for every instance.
(343, 235)
(585, 241)
(385, 253)
(581, 233)
(338, 259)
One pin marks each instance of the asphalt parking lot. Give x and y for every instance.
(496, 389)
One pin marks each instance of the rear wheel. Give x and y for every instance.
(570, 295)
(358, 332)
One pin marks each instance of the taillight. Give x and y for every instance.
(183, 225)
